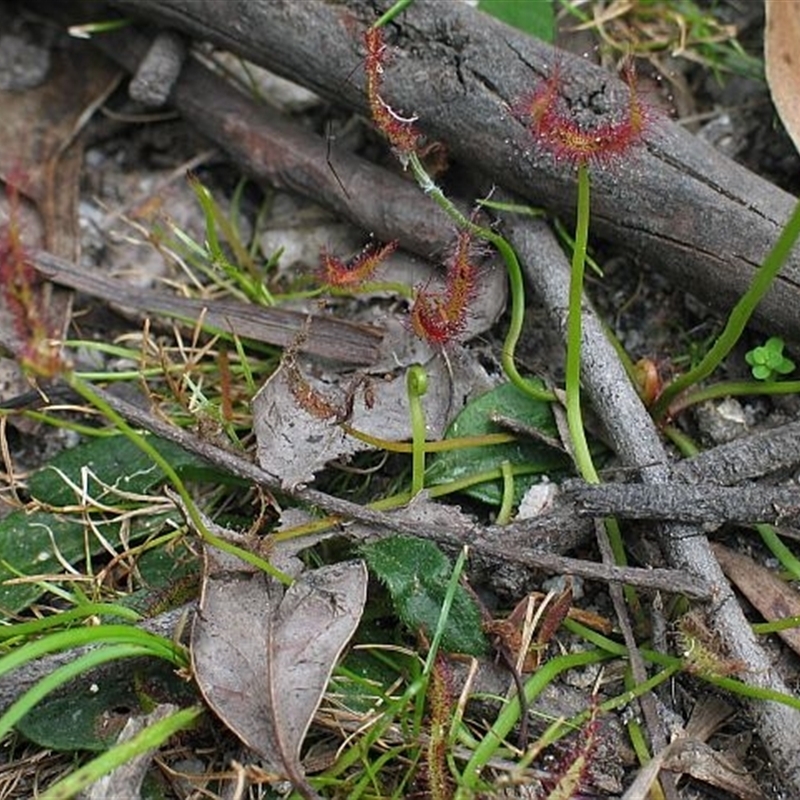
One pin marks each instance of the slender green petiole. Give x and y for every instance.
(87, 393)
(506, 507)
(577, 432)
(739, 316)
(580, 446)
(396, 8)
(416, 387)
(516, 285)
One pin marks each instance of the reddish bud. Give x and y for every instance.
(648, 380)
(22, 299)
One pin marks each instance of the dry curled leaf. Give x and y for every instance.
(782, 61)
(263, 654)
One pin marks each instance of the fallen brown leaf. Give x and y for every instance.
(782, 61)
(262, 654)
(773, 598)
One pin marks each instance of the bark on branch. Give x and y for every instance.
(699, 503)
(677, 203)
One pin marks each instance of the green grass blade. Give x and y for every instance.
(149, 738)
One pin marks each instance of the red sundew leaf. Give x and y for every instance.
(461, 278)
(335, 272)
(398, 130)
(440, 317)
(429, 318)
(551, 122)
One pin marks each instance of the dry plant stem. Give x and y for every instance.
(658, 739)
(485, 540)
(636, 441)
(459, 71)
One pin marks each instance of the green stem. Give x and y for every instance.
(416, 387)
(516, 285)
(88, 394)
(580, 446)
(778, 549)
(395, 9)
(739, 316)
(734, 388)
(509, 716)
(506, 507)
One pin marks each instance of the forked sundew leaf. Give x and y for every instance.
(416, 573)
(262, 658)
(782, 62)
(538, 459)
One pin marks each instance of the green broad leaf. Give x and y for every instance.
(86, 716)
(40, 542)
(416, 573)
(532, 460)
(102, 466)
(534, 17)
(37, 543)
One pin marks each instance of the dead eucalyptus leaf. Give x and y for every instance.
(773, 598)
(692, 757)
(703, 763)
(782, 61)
(262, 656)
(296, 415)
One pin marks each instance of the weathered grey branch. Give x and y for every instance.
(676, 502)
(744, 459)
(273, 149)
(688, 210)
(325, 336)
(636, 441)
(486, 540)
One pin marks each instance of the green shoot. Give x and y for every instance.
(416, 387)
(738, 318)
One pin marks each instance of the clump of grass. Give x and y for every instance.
(657, 29)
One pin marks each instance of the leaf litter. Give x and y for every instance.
(262, 654)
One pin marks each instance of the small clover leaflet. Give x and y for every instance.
(768, 362)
